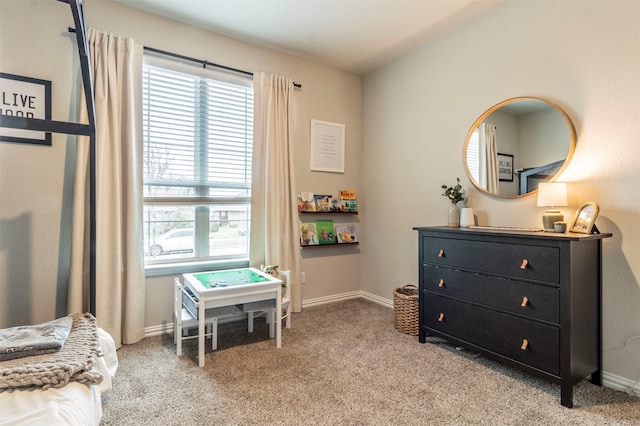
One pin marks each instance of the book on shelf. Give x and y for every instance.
(348, 200)
(306, 202)
(346, 233)
(347, 194)
(308, 234)
(326, 232)
(323, 202)
(336, 205)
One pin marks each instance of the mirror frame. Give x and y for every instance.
(572, 144)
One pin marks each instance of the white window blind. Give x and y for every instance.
(473, 156)
(198, 141)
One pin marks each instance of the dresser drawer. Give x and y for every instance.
(527, 299)
(514, 260)
(522, 340)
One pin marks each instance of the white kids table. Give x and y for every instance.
(233, 287)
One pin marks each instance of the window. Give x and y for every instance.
(473, 155)
(198, 140)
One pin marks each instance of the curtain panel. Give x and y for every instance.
(488, 157)
(120, 284)
(274, 220)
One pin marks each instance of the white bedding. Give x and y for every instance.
(73, 404)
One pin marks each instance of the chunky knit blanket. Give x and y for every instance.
(74, 362)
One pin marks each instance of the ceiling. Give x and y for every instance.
(351, 35)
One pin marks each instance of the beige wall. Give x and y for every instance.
(35, 198)
(584, 56)
(35, 182)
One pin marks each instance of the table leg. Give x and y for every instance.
(178, 339)
(250, 319)
(271, 320)
(278, 316)
(214, 334)
(201, 314)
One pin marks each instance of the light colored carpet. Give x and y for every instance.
(341, 364)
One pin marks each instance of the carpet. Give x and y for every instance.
(341, 364)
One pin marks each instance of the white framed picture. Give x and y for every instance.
(327, 146)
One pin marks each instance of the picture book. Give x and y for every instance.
(336, 206)
(323, 202)
(308, 234)
(348, 200)
(306, 202)
(326, 232)
(350, 206)
(346, 233)
(347, 194)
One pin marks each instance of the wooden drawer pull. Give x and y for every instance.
(525, 301)
(441, 317)
(525, 344)
(441, 253)
(525, 262)
(441, 283)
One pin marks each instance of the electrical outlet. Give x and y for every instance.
(303, 277)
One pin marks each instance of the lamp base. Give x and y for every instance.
(549, 217)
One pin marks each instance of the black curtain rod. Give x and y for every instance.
(204, 63)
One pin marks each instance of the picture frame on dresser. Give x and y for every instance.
(585, 219)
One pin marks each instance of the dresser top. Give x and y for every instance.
(513, 232)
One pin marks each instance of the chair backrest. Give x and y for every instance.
(285, 276)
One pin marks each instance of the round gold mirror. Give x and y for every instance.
(517, 144)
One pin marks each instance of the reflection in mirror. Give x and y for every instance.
(517, 144)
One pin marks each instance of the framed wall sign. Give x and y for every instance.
(25, 97)
(327, 146)
(505, 167)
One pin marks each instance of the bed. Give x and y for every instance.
(531, 177)
(73, 397)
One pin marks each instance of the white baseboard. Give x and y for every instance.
(167, 328)
(621, 384)
(377, 299)
(608, 380)
(158, 329)
(346, 296)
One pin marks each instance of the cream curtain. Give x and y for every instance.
(120, 287)
(488, 157)
(274, 220)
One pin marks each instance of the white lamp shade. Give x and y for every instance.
(552, 194)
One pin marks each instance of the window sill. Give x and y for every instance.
(167, 269)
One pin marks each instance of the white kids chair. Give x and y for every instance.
(285, 276)
(270, 311)
(183, 320)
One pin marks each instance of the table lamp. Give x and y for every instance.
(552, 195)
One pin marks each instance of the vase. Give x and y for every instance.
(454, 216)
(466, 217)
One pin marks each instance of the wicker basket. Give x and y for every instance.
(405, 305)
